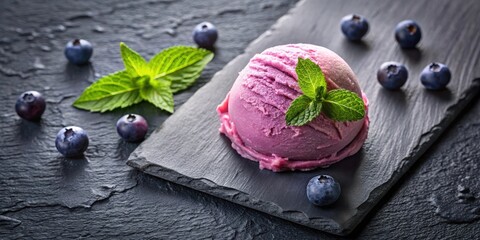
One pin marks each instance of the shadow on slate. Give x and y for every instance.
(188, 149)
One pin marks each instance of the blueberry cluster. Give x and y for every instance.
(72, 141)
(407, 33)
(324, 190)
(393, 75)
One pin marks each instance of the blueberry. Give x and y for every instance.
(205, 35)
(323, 190)
(78, 51)
(392, 75)
(71, 141)
(132, 127)
(30, 105)
(435, 76)
(408, 34)
(354, 27)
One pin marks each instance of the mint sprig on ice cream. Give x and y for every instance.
(339, 105)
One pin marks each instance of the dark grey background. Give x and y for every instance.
(43, 195)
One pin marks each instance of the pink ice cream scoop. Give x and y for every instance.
(253, 113)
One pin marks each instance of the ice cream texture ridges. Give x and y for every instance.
(253, 113)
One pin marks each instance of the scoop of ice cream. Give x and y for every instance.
(253, 113)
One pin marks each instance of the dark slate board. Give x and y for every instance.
(188, 149)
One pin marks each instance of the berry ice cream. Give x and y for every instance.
(253, 114)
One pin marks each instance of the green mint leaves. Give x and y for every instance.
(112, 91)
(302, 111)
(168, 72)
(342, 105)
(339, 104)
(134, 63)
(310, 78)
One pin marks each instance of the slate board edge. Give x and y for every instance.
(232, 195)
(242, 198)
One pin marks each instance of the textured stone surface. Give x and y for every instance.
(189, 150)
(42, 196)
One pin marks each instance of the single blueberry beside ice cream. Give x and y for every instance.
(323, 190)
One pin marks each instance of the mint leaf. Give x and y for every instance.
(310, 77)
(180, 65)
(159, 94)
(302, 110)
(170, 71)
(320, 93)
(112, 91)
(135, 64)
(338, 105)
(313, 85)
(343, 105)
